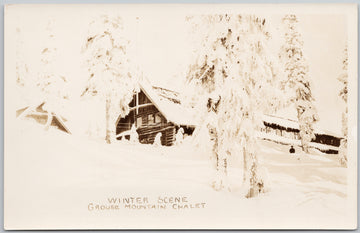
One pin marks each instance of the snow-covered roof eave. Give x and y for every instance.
(286, 123)
(192, 125)
(292, 124)
(177, 118)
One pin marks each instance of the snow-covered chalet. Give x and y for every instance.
(156, 110)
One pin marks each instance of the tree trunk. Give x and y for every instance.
(224, 174)
(245, 166)
(255, 179)
(343, 152)
(305, 146)
(251, 166)
(217, 162)
(221, 173)
(107, 120)
(221, 166)
(253, 189)
(303, 143)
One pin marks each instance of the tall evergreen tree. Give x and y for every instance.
(298, 81)
(22, 71)
(237, 72)
(343, 78)
(109, 69)
(51, 83)
(48, 86)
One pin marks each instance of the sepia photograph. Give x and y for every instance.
(180, 116)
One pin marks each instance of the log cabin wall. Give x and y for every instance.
(148, 134)
(149, 121)
(279, 130)
(294, 134)
(327, 139)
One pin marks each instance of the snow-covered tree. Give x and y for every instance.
(298, 81)
(22, 70)
(109, 69)
(50, 81)
(343, 78)
(238, 73)
(49, 86)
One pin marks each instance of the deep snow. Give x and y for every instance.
(51, 177)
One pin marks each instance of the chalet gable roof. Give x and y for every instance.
(169, 104)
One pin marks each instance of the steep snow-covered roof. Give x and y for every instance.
(169, 104)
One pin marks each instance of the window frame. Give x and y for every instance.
(151, 119)
(157, 116)
(137, 121)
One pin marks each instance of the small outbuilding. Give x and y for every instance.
(40, 115)
(289, 129)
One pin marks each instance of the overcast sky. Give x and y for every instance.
(162, 49)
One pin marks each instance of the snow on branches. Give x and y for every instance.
(109, 69)
(22, 70)
(343, 78)
(46, 84)
(50, 81)
(298, 82)
(236, 66)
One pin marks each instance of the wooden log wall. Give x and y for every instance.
(147, 134)
(148, 130)
(327, 139)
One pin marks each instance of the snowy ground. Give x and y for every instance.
(51, 177)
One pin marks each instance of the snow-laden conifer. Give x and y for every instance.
(298, 85)
(22, 70)
(47, 84)
(110, 73)
(238, 72)
(343, 78)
